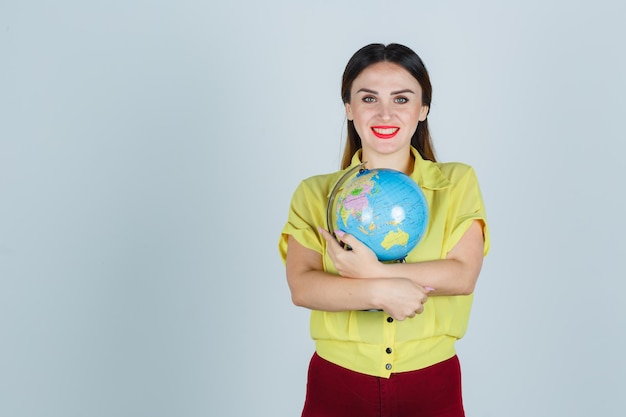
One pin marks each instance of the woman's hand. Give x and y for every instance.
(401, 298)
(359, 262)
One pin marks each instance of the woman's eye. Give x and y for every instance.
(401, 100)
(369, 99)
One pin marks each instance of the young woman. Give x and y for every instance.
(401, 360)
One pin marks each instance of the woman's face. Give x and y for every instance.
(385, 106)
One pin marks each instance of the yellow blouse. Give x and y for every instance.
(372, 342)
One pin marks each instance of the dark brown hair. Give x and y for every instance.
(409, 60)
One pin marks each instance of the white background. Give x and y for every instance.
(149, 149)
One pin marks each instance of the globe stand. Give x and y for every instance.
(331, 200)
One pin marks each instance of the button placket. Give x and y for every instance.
(388, 342)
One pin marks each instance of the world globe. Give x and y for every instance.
(383, 208)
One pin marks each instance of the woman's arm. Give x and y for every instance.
(313, 288)
(455, 275)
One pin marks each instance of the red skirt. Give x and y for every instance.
(430, 392)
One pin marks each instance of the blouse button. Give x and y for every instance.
(388, 367)
(389, 319)
(388, 350)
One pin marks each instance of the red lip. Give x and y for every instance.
(385, 132)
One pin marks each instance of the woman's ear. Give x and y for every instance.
(424, 113)
(348, 111)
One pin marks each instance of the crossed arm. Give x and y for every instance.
(363, 283)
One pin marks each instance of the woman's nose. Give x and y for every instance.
(385, 111)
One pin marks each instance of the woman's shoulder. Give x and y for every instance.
(322, 181)
(455, 171)
(316, 187)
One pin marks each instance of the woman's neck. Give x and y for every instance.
(403, 162)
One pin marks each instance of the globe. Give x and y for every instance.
(383, 208)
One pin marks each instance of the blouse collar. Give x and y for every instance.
(425, 173)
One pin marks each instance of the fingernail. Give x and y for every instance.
(340, 233)
(429, 289)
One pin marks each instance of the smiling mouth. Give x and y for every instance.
(385, 132)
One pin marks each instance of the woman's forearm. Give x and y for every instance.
(455, 275)
(444, 276)
(313, 288)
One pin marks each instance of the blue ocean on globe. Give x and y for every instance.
(385, 209)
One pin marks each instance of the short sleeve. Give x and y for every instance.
(468, 206)
(306, 213)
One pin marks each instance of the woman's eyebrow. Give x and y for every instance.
(393, 93)
(367, 90)
(406, 90)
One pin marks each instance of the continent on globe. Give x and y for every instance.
(392, 238)
(356, 203)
